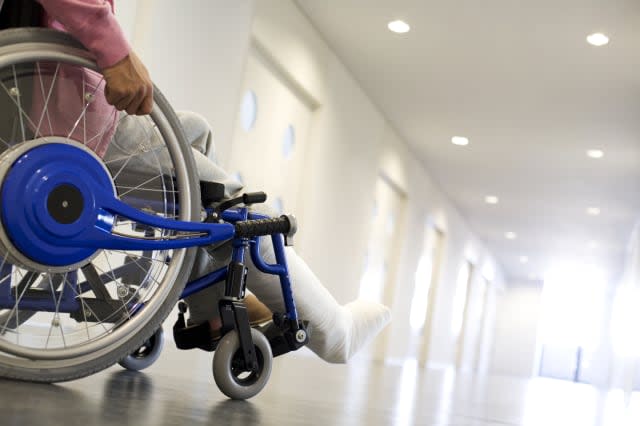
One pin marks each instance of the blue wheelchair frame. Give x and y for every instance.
(34, 231)
(239, 245)
(68, 300)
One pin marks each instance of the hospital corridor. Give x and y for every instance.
(320, 212)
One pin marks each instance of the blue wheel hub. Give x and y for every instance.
(50, 195)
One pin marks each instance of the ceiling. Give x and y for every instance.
(521, 82)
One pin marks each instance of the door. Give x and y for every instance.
(423, 303)
(269, 143)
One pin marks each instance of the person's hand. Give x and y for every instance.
(128, 86)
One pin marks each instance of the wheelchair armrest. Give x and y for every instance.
(211, 192)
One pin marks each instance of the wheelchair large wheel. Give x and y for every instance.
(69, 311)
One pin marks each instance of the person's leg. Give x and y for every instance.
(337, 331)
(198, 132)
(203, 306)
(136, 146)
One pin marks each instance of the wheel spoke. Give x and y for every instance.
(87, 307)
(15, 310)
(113, 277)
(84, 110)
(142, 184)
(107, 126)
(139, 151)
(138, 256)
(45, 109)
(95, 282)
(19, 96)
(56, 315)
(22, 114)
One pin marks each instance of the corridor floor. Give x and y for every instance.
(179, 390)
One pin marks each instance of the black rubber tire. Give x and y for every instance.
(53, 371)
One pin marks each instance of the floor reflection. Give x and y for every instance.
(179, 390)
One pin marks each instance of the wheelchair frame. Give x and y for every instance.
(40, 238)
(69, 304)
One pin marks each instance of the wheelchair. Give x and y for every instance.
(95, 253)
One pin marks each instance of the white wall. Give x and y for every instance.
(196, 52)
(350, 143)
(625, 346)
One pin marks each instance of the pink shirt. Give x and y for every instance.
(93, 23)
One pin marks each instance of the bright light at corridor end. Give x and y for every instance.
(399, 27)
(491, 199)
(598, 39)
(510, 235)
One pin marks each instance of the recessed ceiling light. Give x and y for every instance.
(593, 211)
(399, 27)
(524, 259)
(460, 140)
(598, 39)
(491, 199)
(510, 235)
(595, 153)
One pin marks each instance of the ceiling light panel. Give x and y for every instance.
(593, 211)
(597, 39)
(399, 27)
(595, 153)
(460, 140)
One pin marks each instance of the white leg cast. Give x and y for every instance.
(337, 332)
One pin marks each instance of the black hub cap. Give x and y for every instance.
(65, 204)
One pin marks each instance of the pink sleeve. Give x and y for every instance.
(93, 23)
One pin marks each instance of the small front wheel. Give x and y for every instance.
(228, 370)
(146, 354)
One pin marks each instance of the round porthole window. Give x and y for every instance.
(288, 141)
(249, 110)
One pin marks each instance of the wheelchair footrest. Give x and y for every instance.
(197, 336)
(284, 338)
(281, 338)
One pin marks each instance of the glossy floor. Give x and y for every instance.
(179, 390)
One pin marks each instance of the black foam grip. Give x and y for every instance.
(259, 227)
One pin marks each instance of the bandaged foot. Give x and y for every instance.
(336, 332)
(356, 324)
